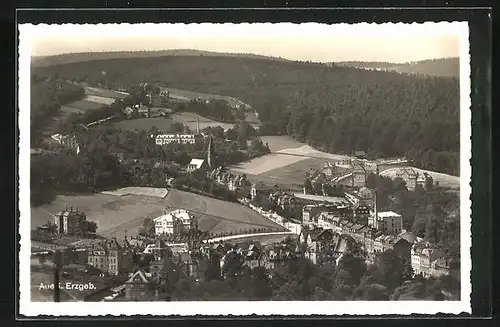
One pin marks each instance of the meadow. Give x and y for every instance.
(188, 95)
(163, 123)
(290, 160)
(105, 93)
(287, 163)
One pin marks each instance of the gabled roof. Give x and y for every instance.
(139, 277)
(409, 171)
(407, 236)
(197, 162)
(357, 166)
(357, 227)
(185, 258)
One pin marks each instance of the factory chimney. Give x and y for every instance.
(198, 126)
(375, 206)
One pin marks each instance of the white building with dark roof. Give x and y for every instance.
(163, 139)
(174, 222)
(196, 164)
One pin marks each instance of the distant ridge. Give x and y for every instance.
(67, 58)
(443, 67)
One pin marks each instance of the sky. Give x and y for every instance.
(315, 42)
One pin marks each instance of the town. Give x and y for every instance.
(335, 215)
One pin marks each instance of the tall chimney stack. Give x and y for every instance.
(198, 126)
(375, 223)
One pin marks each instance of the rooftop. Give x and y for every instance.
(320, 198)
(387, 214)
(197, 162)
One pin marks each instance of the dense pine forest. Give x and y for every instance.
(335, 109)
(445, 67)
(47, 97)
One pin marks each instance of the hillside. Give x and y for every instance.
(445, 67)
(42, 61)
(334, 109)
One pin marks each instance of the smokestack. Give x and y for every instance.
(57, 268)
(198, 126)
(375, 209)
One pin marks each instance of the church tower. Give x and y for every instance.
(210, 154)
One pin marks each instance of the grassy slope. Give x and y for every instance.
(118, 216)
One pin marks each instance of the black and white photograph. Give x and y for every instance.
(250, 168)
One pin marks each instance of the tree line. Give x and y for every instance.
(389, 278)
(46, 99)
(337, 109)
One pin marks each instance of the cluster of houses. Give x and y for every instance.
(142, 110)
(356, 214)
(412, 178)
(353, 173)
(68, 141)
(349, 173)
(234, 182)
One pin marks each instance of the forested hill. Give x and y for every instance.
(446, 67)
(336, 109)
(68, 58)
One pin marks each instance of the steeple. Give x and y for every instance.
(210, 158)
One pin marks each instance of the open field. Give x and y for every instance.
(266, 163)
(104, 93)
(308, 151)
(217, 215)
(287, 164)
(294, 173)
(189, 119)
(277, 143)
(188, 95)
(163, 124)
(444, 180)
(282, 169)
(99, 99)
(140, 191)
(117, 216)
(82, 105)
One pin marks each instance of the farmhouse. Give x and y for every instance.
(128, 111)
(408, 175)
(142, 110)
(424, 179)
